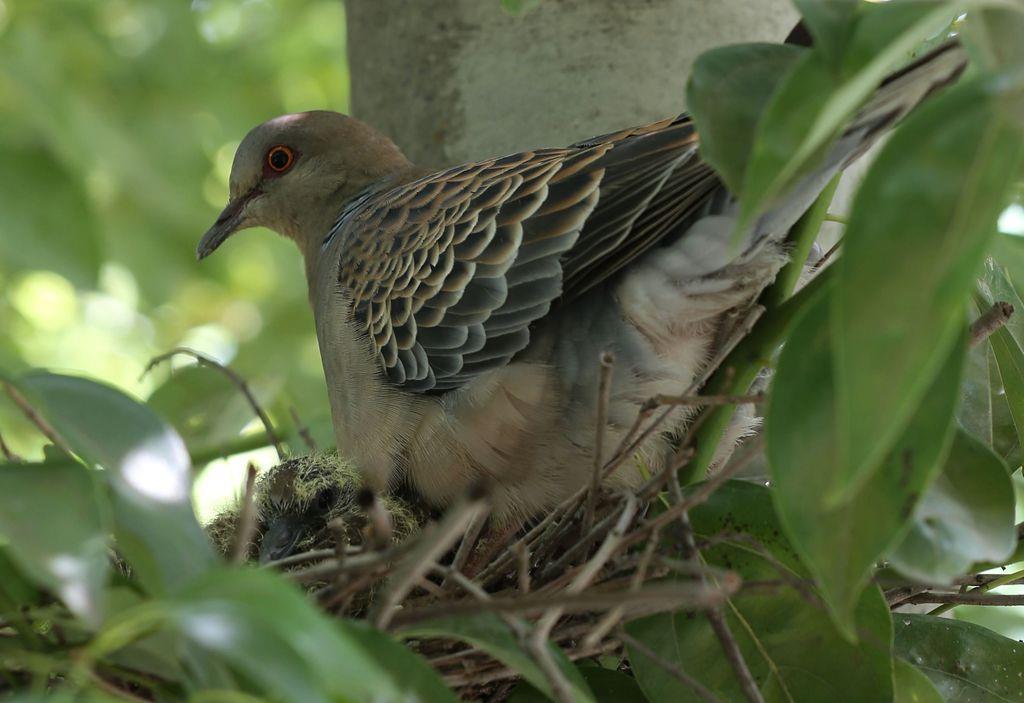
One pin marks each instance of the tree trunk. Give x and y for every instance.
(460, 80)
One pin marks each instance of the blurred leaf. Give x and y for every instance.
(840, 543)
(893, 332)
(267, 630)
(830, 23)
(812, 105)
(974, 409)
(488, 633)
(205, 407)
(912, 686)
(17, 589)
(1007, 344)
(966, 516)
(148, 469)
(994, 35)
(68, 555)
(728, 90)
(967, 663)
(794, 651)
(60, 235)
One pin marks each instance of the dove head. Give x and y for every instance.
(294, 174)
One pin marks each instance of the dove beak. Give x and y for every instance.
(231, 219)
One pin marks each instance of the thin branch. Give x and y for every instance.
(650, 599)
(990, 321)
(435, 541)
(522, 566)
(469, 542)
(969, 598)
(1000, 580)
(246, 518)
(35, 418)
(669, 668)
(9, 455)
(612, 617)
(302, 429)
(237, 380)
(381, 525)
(706, 400)
(607, 361)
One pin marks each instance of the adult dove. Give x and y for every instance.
(461, 313)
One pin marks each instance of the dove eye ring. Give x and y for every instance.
(280, 158)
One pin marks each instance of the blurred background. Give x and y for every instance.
(119, 121)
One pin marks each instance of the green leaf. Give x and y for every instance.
(1007, 345)
(840, 543)
(147, 467)
(60, 234)
(728, 90)
(268, 631)
(608, 687)
(974, 410)
(831, 24)
(912, 686)
(488, 633)
(812, 105)
(206, 408)
(519, 7)
(967, 663)
(953, 159)
(794, 651)
(966, 516)
(993, 34)
(67, 554)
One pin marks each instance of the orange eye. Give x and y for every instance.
(280, 158)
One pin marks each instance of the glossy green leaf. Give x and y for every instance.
(794, 651)
(727, 93)
(147, 466)
(954, 159)
(974, 410)
(269, 632)
(490, 634)
(912, 686)
(965, 516)
(608, 687)
(967, 663)
(840, 543)
(1007, 344)
(69, 553)
(811, 106)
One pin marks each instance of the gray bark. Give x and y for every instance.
(460, 80)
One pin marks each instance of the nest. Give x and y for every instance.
(571, 578)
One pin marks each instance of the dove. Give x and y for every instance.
(461, 313)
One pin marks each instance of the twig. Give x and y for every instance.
(827, 255)
(522, 566)
(246, 518)
(716, 619)
(607, 623)
(434, 542)
(1000, 580)
(239, 382)
(668, 667)
(9, 455)
(35, 418)
(990, 320)
(469, 541)
(302, 429)
(969, 598)
(653, 599)
(706, 400)
(603, 390)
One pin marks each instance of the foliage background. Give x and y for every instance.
(120, 119)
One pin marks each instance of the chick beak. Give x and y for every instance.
(283, 533)
(228, 222)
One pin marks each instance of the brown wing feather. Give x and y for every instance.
(448, 272)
